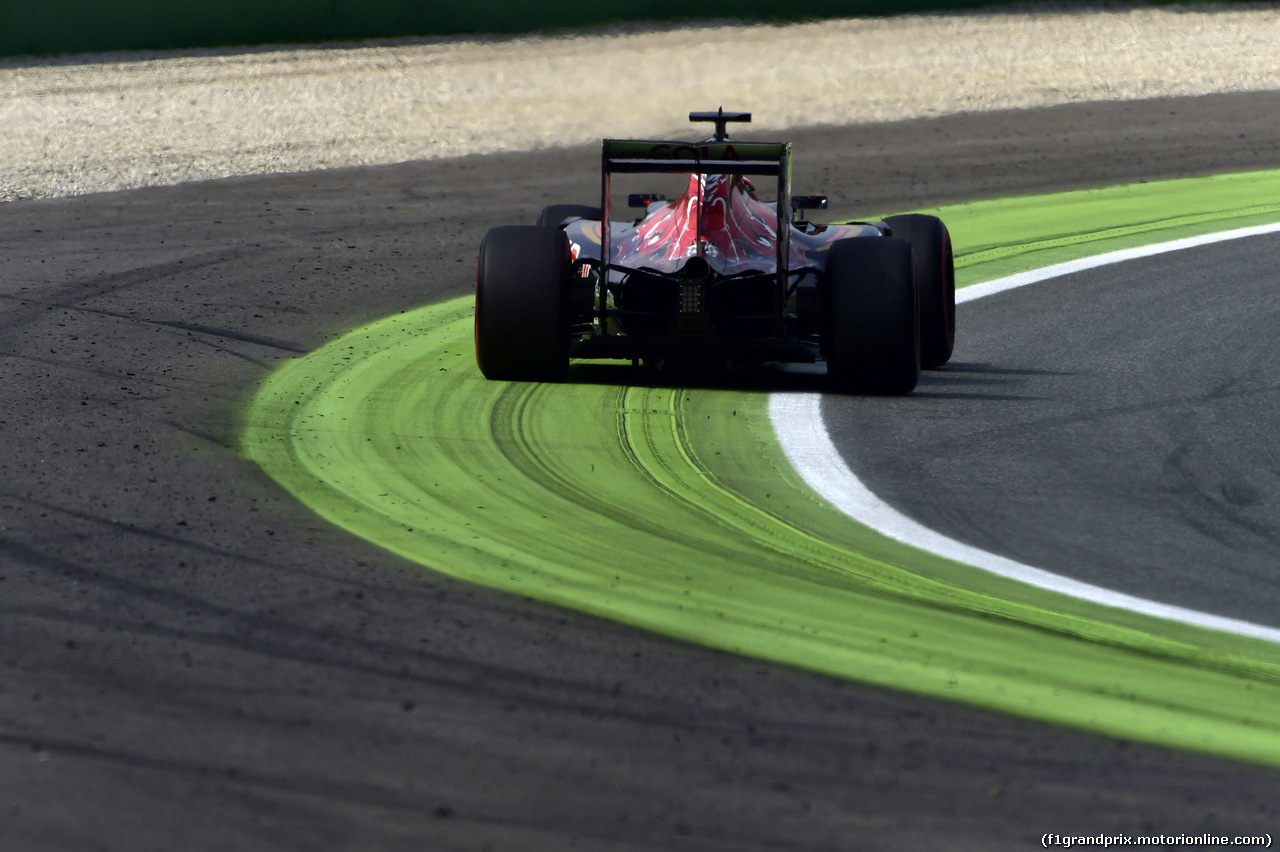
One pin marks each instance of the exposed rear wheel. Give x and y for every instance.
(936, 280)
(872, 342)
(521, 278)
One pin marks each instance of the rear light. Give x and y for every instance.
(690, 297)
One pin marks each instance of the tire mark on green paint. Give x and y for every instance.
(581, 495)
(644, 417)
(397, 439)
(987, 254)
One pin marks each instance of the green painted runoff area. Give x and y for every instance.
(674, 509)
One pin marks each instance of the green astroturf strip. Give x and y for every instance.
(674, 509)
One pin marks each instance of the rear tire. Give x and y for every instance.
(553, 214)
(936, 280)
(521, 279)
(872, 342)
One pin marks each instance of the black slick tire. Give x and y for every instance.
(553, 214)
(936, 280)
(520, 329)
(872, 340)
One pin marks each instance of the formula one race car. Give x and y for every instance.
(715, 272)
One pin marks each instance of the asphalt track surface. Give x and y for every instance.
(1118, 430)
(191, 660)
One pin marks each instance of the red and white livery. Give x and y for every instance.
(715, 272)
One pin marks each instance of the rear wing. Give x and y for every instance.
(715, 157)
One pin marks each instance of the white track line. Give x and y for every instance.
(797, 421)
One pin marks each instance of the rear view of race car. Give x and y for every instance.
(715, 272)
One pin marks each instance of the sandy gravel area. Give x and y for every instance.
(111, 122)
